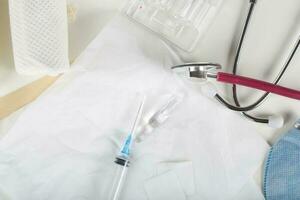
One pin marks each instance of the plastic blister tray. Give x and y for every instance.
(182, 22)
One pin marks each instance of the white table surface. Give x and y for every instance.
(272, 33)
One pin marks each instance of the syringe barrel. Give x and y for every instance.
(122, 166)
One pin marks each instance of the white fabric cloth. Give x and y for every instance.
(63, 146)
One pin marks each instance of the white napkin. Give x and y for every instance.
(63, 146)
(165, 186)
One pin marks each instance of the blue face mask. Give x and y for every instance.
(282, 169)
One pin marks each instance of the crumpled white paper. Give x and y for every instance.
(63, 146)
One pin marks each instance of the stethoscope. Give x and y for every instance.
(203, 71)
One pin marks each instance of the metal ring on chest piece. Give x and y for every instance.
(202, 70)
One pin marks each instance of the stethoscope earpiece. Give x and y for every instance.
(275, 121)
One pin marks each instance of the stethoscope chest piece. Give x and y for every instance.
(197, 71)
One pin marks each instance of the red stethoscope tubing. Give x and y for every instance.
(258, 84)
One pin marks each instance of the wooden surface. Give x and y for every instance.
(25, 95)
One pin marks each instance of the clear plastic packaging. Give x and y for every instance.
(182, 22)
(40, 36)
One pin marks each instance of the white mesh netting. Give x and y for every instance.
(40, 36)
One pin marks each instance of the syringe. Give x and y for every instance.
(123, 158)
